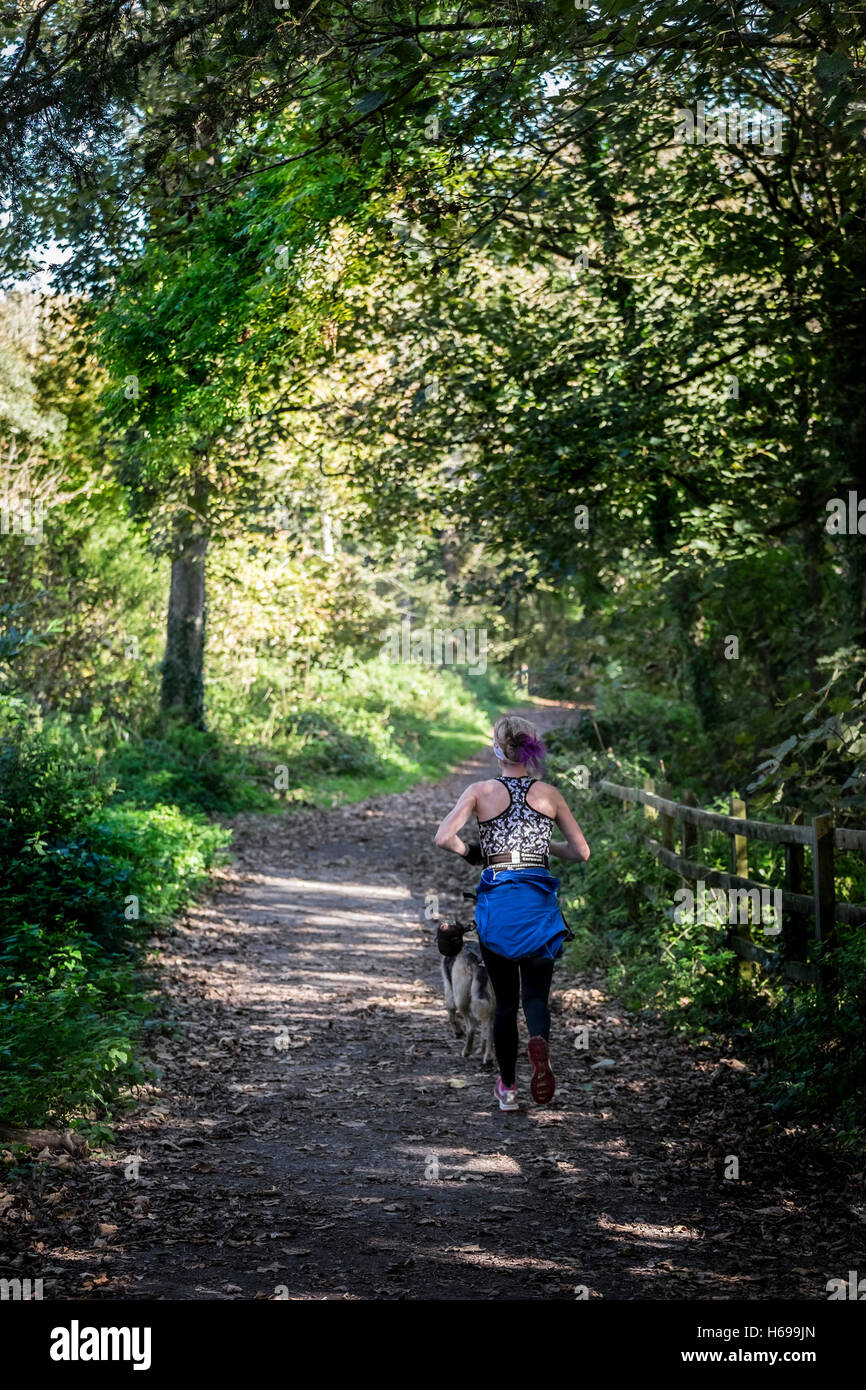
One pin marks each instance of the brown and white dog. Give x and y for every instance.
(469, 999)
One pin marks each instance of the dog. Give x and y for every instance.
(469, 999)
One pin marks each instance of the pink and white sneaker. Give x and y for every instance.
(506, 1095)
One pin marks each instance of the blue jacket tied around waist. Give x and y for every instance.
(517, 913)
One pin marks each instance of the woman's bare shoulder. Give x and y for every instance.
(546, 787)
(545, 796)
(480, 788)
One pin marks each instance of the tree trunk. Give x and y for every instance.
(812, 546)
(855, 549)
(183, 664)
(701, 665)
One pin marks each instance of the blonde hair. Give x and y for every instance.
(511, 732)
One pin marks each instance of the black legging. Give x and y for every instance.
(535, 974)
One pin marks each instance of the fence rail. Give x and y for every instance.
(821, 837)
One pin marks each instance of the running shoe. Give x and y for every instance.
(506, 1095)
(543, 1083)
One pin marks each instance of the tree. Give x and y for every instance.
(211, 341)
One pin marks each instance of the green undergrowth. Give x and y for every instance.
(366, 729)
(807, 1048)
(87, 876)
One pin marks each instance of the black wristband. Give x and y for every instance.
(473, 854)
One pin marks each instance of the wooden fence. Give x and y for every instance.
(799, 908)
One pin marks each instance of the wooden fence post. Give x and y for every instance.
(824, 888)
(688, 832)
(739, 843)
(794, 934)
(740, 866)
(668, 823)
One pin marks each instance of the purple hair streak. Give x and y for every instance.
(532, 750)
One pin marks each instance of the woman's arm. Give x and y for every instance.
(446, 835)
(574, 845)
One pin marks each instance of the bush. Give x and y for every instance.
(815, 1043)
(84, 879)
(68, 1033)
(172, 764)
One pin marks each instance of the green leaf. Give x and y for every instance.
(371, 102)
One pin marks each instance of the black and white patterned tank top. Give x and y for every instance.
(519, 826)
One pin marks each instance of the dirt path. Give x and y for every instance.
(317, 1134)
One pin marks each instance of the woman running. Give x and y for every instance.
(519, 923)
